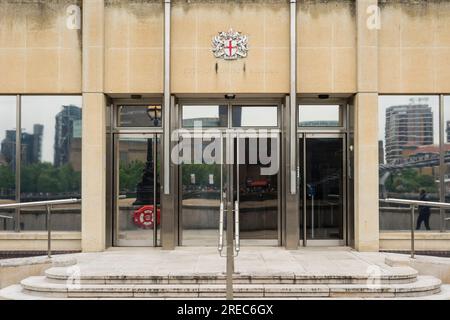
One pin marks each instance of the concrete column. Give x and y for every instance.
(366, 172)
(93, 226)
(366, 129)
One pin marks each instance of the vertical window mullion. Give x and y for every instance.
(18, 156)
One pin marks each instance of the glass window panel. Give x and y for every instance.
(51, 159)
(446, 133)
(319, 116)
(408, 158)
(140, 116)
(205, 116)
(255, 116)
(7, 158)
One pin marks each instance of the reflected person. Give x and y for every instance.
(424, 212)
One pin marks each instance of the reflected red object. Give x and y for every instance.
(258, 183)
(144, 217)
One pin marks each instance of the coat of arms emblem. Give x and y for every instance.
(231, 45)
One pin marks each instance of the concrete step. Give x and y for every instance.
(16, 292)
(400, 275)
(41, 287)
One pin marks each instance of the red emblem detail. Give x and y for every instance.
(144, 217)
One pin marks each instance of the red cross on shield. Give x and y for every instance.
(230, 48)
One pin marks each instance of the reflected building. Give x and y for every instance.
(320, 123)
(381, 152)
(67, 135)
(8, 148)
(447, 131)
(31, 146)
(407, 126)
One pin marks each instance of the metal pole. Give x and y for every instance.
(293, 97)
(167, 97)
(230, 249)
(49, 232)
(412, 231)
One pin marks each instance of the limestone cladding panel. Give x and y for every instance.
(134, 47)
(194, 67)
(38, 53)
(414, 47)
(326, 47)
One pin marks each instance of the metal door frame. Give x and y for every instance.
(115, 163)
(303, 169)
(115, 132)
(228, 131)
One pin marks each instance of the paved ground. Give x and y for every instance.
(252, 260)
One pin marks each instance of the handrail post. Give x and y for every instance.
(49, 231)
(412, 231)
(221, 223)
(236, 228)
(230, 251)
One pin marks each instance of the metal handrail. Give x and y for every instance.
(443, 205)
(48, 205)
(413, 204)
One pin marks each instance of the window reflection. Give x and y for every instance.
(51, 159)
(408, 157)
(319, 116)
(255, 116)
(446, 133)
(205, 116)
(7, 157)
(140, 116)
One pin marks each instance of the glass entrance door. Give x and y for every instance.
(137, 164)
(242, 168)
(202, 188)
(230, 163)
(256, 188)
(322, 176)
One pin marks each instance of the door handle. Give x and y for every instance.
(236, 227)
(221, 217)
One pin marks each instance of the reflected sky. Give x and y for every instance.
(7, 115)
(193, 112)
(319, 113)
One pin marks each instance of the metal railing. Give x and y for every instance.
(48, 205)
(232, 249)
(413, 204)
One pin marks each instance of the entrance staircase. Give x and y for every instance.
(78, 282)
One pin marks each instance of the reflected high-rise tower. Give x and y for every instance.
(31, 146)
(67, 129)
(406, 126)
